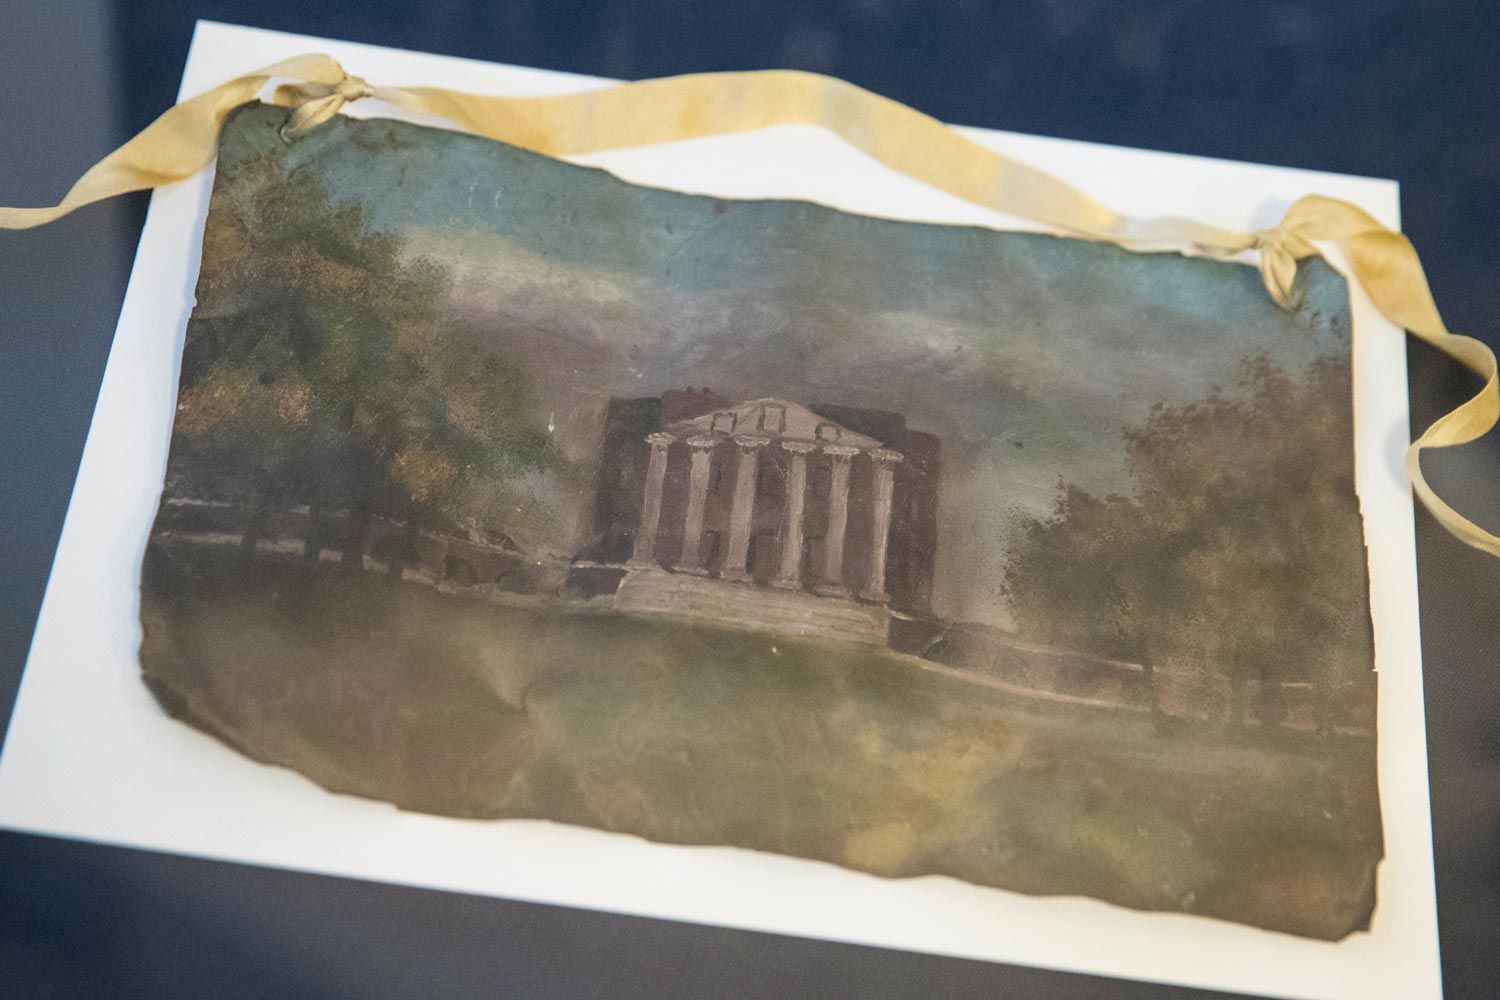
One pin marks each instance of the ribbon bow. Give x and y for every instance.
(184, 140)
(314, 103)
(1280, 250)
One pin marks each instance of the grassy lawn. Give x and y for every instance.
(687, 733)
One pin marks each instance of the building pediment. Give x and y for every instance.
(775, 418)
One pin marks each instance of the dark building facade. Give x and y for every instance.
(831, 501)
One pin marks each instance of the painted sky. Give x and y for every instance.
(1028, 355)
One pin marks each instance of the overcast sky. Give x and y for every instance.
(1027, 355)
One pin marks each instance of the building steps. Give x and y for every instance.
(748, 605)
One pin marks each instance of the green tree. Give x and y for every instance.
(319, 368)
(1239, 549)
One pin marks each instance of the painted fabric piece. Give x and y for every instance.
(502, 488)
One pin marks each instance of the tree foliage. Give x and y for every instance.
(321, 368)
(1239, 550)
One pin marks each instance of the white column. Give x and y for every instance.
(789, 575)
(885, 462)
(656, 473)
(832, 583)
(692, 523)
(741, 513)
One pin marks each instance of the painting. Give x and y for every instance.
(501, 488)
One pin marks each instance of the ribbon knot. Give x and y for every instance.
(314, 103)
(354, 88)
(1280, 249)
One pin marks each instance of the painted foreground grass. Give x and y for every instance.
(689, 734)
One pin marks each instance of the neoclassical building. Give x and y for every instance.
(811, 519)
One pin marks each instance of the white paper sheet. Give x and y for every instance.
(90, 755)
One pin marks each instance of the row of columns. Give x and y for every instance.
(742, 508)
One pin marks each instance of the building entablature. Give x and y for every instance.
(770, 419)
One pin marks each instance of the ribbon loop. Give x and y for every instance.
(314, 102)
(1280, 250)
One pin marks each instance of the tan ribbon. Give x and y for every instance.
(184, 140)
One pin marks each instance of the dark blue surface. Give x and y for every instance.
(1369, 88)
